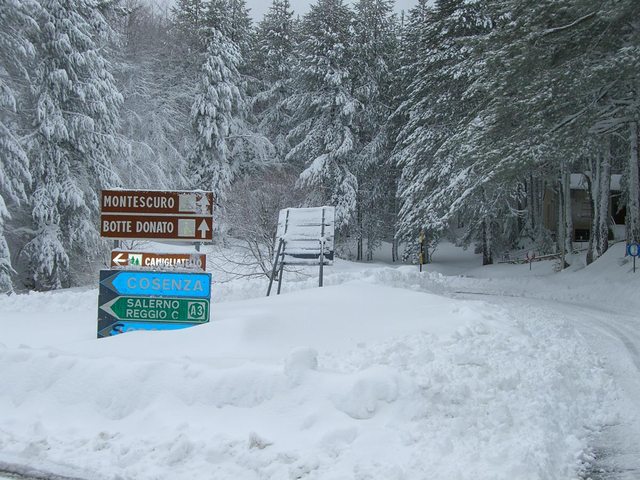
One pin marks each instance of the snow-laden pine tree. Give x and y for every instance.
(610, 68)
(216, 117)
(273, 65)
(240, 28)
(73, 142)
(16, 54)
(154, 118)
(375, 60)
(323, 140)
(232, 19)
(437, 106)
(190, 17)
(553, 100)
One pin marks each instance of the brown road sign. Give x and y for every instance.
(144, 227)
(157, 202)
(158, 261)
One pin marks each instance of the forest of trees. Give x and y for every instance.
(455, 118)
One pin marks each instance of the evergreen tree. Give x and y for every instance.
(437, 105)
(16, 53)
(154, 118)
(324, 106)
(240, 29)
(72, 148)
(232, 19)
(375, 51)
(550, 87)
(215, 113)
(273, 63)
(190, 18)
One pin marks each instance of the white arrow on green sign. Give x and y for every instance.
(158, 309)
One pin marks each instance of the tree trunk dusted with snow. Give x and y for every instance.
(533, 206)
(568, 214)
(599, 194)
(359, 233)
(603, 204)
(560, 228)
(487, 253)
(633, 201)
(593, 182)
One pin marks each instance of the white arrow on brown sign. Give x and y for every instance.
(158, 261)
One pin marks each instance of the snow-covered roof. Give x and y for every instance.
(579, 181)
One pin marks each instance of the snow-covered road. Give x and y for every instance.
(615, 337)
(602, 308)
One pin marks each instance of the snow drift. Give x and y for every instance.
(358, 381)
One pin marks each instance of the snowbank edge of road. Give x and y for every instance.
(16, 471)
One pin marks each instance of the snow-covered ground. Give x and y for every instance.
(460, 372)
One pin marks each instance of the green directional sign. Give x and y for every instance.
(158, 309)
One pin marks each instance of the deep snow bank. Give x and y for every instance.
(355, 381)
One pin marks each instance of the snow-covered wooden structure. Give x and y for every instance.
(305, 236)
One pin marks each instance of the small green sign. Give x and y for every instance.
(159, 309)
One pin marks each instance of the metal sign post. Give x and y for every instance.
(321, 275)
(633, 250)
(530, 257)
(276, 260)
(322, 242)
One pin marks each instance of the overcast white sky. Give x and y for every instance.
(259, 7)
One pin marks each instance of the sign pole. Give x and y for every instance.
(633, 249)
(280, 275)
(275, 267)
(321, 273)
(281, 271)
(321, 263)
(421, 255)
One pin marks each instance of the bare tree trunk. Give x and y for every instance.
(605, 193)
(594, 195)
(531, 213)
(537, 207)
(359, 254)
(560, 234)
(487, 254)
(394, 244)
(394, 250)
(568, 216)
(633, 202)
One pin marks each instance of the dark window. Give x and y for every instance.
(581, 235)
(618, 210)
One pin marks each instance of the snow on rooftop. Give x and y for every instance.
(579, 181)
